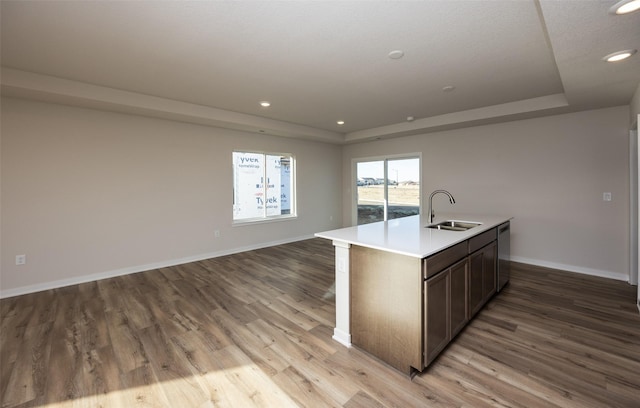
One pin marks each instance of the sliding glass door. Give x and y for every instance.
(387, 188)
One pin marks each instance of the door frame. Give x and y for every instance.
(354, 178)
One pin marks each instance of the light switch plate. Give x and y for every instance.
(606, 196)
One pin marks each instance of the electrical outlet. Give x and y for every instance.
(21, 259)
(606, 196)
(216, 233)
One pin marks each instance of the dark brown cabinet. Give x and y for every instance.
(459, 298)
(482, 277)
(446, 311)
(489, 269)
(437, 322)
(406, 310)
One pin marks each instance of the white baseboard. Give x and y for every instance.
(163, 264)
(342, 337)
(23, 290)
(573, 268)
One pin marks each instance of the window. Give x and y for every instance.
(263, 186)
(387, 188)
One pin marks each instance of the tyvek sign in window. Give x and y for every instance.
(262, 184)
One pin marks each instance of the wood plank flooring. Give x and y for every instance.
(254, 330)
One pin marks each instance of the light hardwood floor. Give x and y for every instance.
(254, 329)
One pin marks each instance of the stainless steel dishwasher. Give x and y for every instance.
(504, 251)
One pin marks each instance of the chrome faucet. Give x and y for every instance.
(431, 213)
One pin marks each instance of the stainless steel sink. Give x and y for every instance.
(452, 225)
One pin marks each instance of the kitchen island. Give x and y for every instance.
(403, 291)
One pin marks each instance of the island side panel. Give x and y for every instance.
(386, 306)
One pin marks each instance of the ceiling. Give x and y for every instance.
(318, 62)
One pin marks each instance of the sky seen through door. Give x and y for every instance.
(399, 170)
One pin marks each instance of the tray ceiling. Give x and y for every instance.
(320, 62)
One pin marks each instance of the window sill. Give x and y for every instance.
(254, 221)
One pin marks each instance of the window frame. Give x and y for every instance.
(293, 212)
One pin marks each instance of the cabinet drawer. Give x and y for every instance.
(444, 259)
(481, 240)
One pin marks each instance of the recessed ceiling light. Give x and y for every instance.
(340, 122)
(625, 7)
(396, 54)
(265, 104)
(448, 88)
(410, 118)
(619, 56)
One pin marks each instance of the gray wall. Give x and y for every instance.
(88, 194)
(635, 109)
(548, 173)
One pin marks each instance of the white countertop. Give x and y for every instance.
(408, 235)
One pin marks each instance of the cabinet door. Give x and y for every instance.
(458, 294)
(436, 325)
(475, 282)
(482, 277)
(489, 283)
